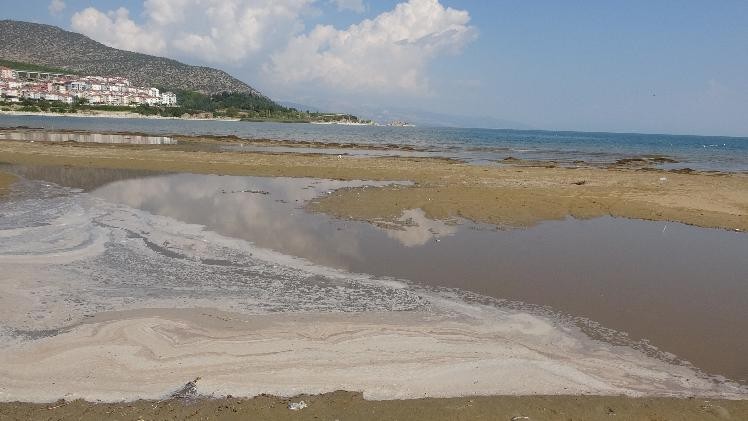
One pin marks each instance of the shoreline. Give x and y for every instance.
(110, 114)
(132, 115)
(511, 196)
(351, 405)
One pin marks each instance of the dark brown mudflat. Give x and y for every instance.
(351, 406)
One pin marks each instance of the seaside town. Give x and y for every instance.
(19, 85)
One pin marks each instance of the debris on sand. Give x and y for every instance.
(187, 392)
(645, 160)
(685, 170)
(297, 406)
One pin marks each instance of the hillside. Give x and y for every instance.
(50, 46)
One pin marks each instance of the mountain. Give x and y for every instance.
(46, 45)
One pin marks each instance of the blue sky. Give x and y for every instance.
(642, 66)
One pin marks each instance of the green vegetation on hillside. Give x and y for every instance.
(17, 65)
(192, 104)
(250, 107)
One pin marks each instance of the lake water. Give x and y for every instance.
(473, 145)
(681, 288)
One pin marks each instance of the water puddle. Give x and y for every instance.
(681, 287)
(84, 137)
(85, 179)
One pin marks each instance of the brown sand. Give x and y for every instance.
(513, 196)
(351, 406)
(5, 182)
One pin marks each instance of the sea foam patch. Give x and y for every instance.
(113, 257)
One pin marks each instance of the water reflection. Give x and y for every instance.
(266, 211)
(415, 229)
(79, 178)
(680, 288)
(85, 137)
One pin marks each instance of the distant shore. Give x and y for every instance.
(125, 114)
(109, 114)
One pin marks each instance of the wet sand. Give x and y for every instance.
(6, 180)
(504, 196)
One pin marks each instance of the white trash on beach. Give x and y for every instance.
(295, 406)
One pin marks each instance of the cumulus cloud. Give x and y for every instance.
(56, 7)
(357, 6)
(116, 29)
(389, 53)
(219, 31)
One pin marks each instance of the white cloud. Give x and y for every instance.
(56, 7)
(389, 53)
(357, 6)
(418, 230)
(219, 31)
(116, 29)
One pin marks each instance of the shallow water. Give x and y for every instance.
(673, 284)
(85, 137)
(473, 145)
(681, 287)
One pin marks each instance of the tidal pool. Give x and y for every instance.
(683, 289)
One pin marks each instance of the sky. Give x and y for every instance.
(652, 66)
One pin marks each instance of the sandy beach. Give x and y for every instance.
(399, 351)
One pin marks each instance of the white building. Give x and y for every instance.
(29, 94)
(77, 86)
(169, 99)
(97, 90)
(7, 73)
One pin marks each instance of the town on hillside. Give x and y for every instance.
(19, 85)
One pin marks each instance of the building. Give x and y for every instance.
(7, 73)
(96, 90)
(169, 99)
